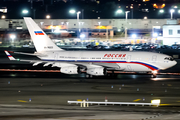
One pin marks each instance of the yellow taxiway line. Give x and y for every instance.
(21, 101)
(136, 100)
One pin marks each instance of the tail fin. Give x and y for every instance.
(41, 41)
(9, 56)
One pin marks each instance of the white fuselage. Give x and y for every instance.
(125, 60)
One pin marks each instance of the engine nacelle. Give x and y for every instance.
(70, 70)
(96, 71)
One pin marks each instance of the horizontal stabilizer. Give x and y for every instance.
(9, 56)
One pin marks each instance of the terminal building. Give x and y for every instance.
(164, 29)
(171, 33)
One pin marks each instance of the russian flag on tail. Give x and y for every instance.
(38, 32)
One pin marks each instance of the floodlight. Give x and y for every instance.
(172, 10)
(48, 16)
(25, 11)
(155, 34)
(161, 11)
(12, 36)
(82, 36)
(145, 17)
(72, 11)
(134, 35)
(119, 11)
(3, 17)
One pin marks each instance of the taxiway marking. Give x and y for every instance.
(21, 101)
(136, 100)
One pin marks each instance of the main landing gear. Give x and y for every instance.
(154, 73)
(89, 76)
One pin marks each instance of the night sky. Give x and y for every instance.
(90, 9)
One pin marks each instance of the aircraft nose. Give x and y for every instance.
(170, 64)
(174, 63)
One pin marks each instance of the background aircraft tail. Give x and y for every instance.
(41, 41)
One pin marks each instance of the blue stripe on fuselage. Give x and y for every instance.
(132, 62)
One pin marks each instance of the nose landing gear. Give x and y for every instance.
(154, 73)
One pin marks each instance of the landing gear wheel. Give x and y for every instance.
(154, 75)
(88, 76)
(112, 75)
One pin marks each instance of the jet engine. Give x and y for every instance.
(70, 70)
(98, 71)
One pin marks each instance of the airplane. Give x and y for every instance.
(95, 63)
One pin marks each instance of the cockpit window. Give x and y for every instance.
(168, 58)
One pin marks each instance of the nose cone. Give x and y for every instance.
(168, 65)
(174, 63)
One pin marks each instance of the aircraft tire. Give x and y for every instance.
(89, 76)
(154, 75)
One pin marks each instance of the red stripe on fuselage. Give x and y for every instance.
(134, 63)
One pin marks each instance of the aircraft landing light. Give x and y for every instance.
(136, 100)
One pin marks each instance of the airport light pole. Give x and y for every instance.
(78, 20)
(126, 17)
(12, 36)
(73, 12)
(99, 25)
(172, 11)
(126, 24)
(67, 23)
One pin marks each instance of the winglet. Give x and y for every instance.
(9, 56)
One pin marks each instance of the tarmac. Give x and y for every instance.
(46, 98)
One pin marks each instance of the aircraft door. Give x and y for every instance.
(129, 68)
(56, 56)
(128, 58)
(154, 58)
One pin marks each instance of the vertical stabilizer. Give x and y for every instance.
(41, 41)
